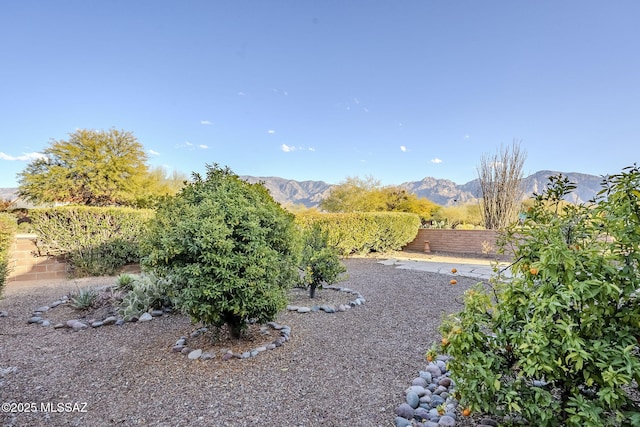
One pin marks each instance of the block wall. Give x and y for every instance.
(471, 242)
(26, 264)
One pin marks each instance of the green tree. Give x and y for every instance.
(557, 343)
(320, 262)
(367, 195)
(157, 184)
(228, 249)
(92, 167)
(355, 195)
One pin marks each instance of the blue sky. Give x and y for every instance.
(323, 90)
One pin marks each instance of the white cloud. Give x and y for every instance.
(242, 94)
(466, 136)
(289, 148)
(153, 152)
(204, 147)
(24, 158)
(403, 148)
(436, 160)
(271, 131)
(205, 122)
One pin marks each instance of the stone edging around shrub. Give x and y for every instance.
(328, 308)
(197, 354)
(181, 344)
(285, 331)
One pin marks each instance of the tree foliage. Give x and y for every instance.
(368, 195)
(157, 184)
(319, 261)
(91, 167)
(557, 343)
(500, 178)
(228, 249)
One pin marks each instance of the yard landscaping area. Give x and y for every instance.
(347, 368)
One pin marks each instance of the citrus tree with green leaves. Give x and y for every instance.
(556, 344)
(319, 262)
(228, 249)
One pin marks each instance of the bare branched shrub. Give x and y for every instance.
(500, 178)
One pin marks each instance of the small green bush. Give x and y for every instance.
(364, 232)
(228, 247)
(7, 231)
(320, 263)
(125, 282)
(95, 240)
(556, 344)
(84, 299)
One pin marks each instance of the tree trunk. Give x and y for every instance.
(235, 323)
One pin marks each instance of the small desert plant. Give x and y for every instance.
(125, 282)
(148, 291)
(84, 299)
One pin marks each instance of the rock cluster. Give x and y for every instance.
(430, 401)
(359, 300)
(39, 317)
(182, 347)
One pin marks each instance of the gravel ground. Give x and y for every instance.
(343, 369)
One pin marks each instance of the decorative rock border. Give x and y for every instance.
(329, 308)
(182, 347)
(429, 401)
(76, 325)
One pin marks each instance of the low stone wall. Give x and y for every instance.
(25, 262)
(468, 242)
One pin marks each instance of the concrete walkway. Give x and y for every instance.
(468, 267)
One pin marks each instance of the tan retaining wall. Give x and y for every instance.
(26, 264)
(472, 242)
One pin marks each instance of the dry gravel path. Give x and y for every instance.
(343, 369)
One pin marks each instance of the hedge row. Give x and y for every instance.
(7, 230)
(94, 240)
(364, 232)
(98, 241)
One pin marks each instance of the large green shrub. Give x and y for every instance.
(7, 231)
(364, 232)
(557, 344)
(95, 240)
(228, 248)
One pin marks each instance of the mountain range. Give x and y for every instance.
(441, 191)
